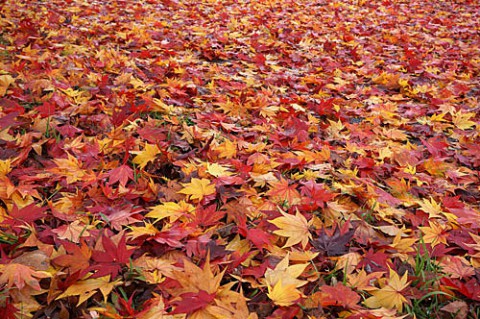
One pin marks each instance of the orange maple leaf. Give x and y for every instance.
(282, 192)
(18, 275)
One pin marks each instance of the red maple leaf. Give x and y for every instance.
(208, 216)
(112, 259)
(8, 311)
(27, 214)
(192, 302)
(316, 195)
(121, 174)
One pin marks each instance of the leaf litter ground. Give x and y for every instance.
(239, 159)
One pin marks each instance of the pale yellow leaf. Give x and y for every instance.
(172, 210)
(288, 274)
(462, 120)
(294, 227)
(283, 295)
(218, 170)
(390, 296)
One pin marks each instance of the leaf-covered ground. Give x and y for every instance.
(239, 159)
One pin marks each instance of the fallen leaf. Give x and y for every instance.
(85, 289)
(149, 154)
(294, 227)
(390, 295)
(283, 295)
(198, 189)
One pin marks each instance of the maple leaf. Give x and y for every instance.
(338, 295)
(283, 295)
(234, 307)
(390, 295)
(171, 210)
(121, 174)
(316, 194)
(155, 269)
(18, 275)
(191, 302)
(334, 243)
(70, 168)
(282, 192)
(149, 154)
(431, 207)
(117, 217)
(73, 232)
(139, 231)
(8, 310)
(5, 81)
(403, 245)
(227, 149)
(434, 234)
(27, 214)
(218, 170)
(294, 227)
(362, 281)
(86, 288)
(77, 259)
(194, 278)
(200, 293)
(458, 308)
(462, 120)
(5, 167)
(457, 267)
(198, 188)
(110, 260)
(288, 274)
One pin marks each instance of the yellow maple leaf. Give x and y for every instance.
(403, 245)
(5, 81)
(390, 295)
(283, 295)
(227, 149)
(434, 234)
(294, 227)
(362, 281)
(139, 231)
(5, 167)
(73, 231)
(233, 305)
(172, 210)
(85, 289)
(288, 274)
(218, 170)
(148, 154)
(198, 188)
(462, 120)
(431, 207)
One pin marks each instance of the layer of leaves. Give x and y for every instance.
(239, 159)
